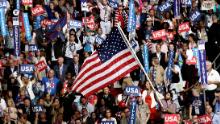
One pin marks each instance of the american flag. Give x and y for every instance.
(111, 62)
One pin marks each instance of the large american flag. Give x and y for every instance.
(111, 62)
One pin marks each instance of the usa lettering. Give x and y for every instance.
(27, 69)
(132, 90)
(164, 7)
(171, 119)
(159, 34)
(195, 15)
(184, 27)
(37, 10)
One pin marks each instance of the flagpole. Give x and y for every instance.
(139, 63)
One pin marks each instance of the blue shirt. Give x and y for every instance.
(50, 86)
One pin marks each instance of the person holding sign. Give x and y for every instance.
(108, 117)
(105, 13)
(216, 103)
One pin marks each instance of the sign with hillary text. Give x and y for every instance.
(133, 106)
(27, 27)
(16, 34)
(3, 22)
(202, 63)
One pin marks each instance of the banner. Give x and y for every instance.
(165, 7)
(3, 22)
(37, 108)
(145, 55)
(205, 119)
(195, 16)
(202, 63)
(40, 66)
(16, 34)
(84, 6)
(171, 119)
(107, 122)
(186, 3)
(32, 47)
(37, 22)
(184, 27)
(207, 5)
(187, 122)
(113, 3)
(169, 67)
(133, 106)
(27, 2)
(159, 34)
(177, 9)
(132, 17)
(132, 91)
(18, 4)
(37, 10)
(3, 3)
(74, 24)
(47, 22)
(26, 69)
(27, 27)
(89, 22)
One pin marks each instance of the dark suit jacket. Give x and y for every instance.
(163, 62)
(8, 72)
(72, 69)
(57, 71)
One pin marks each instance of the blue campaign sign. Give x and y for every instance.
(37, 108)
(165, 7)
(32, 47)
(186, 3)
(107, 122)
(113, 3)
(132, 91)
(195, 16)
(75, 24)
(133, 106)
(26, 68)
(3, 3)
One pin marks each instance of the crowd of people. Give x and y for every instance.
(45, 97)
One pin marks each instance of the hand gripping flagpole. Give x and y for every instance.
(139, 63)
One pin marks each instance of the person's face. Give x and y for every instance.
(93, 115)
(43, 115)
(72, 38)
(168, 96)
(10, 25)
(27, 103)
(106, 90)
(83, 101)
(75, 59)
(11, 63)
(171, 47)
(104, 2)
(51, 74)
(208, 109)
(51, 6)
(151, 12)
(84, 112)
(77, 122)
(60, 61)
(108, 114)
(127, 112)
(208, 65)
(158, 48)
(147, 85)
(156, 61)
(185, 46)
(41, 101)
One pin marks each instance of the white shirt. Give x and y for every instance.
(213, 75)
(72, 48)
(105, 12)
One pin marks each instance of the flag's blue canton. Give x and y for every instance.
(111, 46)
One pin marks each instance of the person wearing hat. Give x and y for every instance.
(216, 103)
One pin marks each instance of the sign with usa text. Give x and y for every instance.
(26, 68)
(184, 27)
(171, 119)
(159, 34)
(38, 10)
(132, 91)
